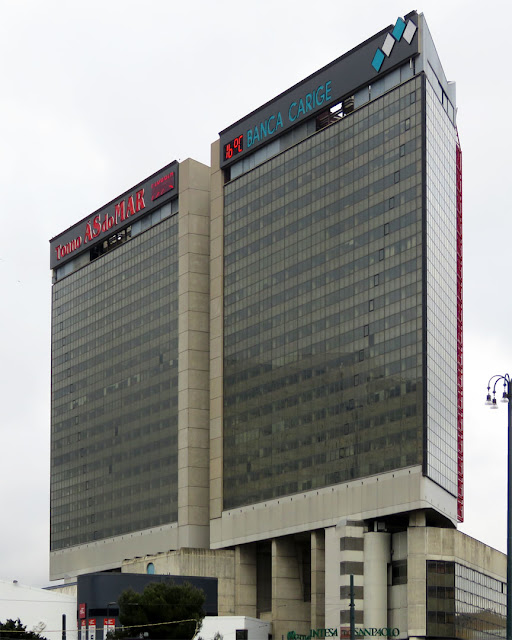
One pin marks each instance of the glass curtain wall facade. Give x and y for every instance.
(114, 388)
(464, 603)
(324, 306)
(441, 290)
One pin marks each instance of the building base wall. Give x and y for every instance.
(110, 553)
(374, 497)
(350, 548)
(195, 562)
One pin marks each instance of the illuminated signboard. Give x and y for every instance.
(162, 186)
(372, 632)
(318, 92)
(384, 632)
(234, 147)
(117, 214)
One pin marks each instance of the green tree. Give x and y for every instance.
(181, 606)
(14, 629)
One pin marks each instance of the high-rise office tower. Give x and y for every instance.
(264, 360)
(336, 328)
(130, 375)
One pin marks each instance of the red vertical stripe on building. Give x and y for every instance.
(460, 408)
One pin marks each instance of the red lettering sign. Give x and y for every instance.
(94, 227)
(162, 186)
(140, 200)
(130, 208)
(119, 211)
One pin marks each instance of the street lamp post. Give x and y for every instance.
(491, 400)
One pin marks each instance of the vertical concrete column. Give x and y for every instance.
(318, 579)
(289, 611)
(346, 555)
(397, 593)
(193, 350)
(417, 576)
(377, 554)
(332, 578)
(216, 339)
(245, 580)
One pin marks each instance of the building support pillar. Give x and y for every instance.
(377, 555)
(245, 580)
(318, 579)
(289, 611)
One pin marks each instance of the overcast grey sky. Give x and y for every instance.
(95, 96)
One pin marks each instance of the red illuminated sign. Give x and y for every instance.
(234, 147)
(460, 406)
(122, 212)
(81, 610)
(164, 185)
(108, 221)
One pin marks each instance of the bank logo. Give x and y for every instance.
(400, 30)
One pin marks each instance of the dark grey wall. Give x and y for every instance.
(97, 590)
(346, 75)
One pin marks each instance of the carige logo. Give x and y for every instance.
(400, 30)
